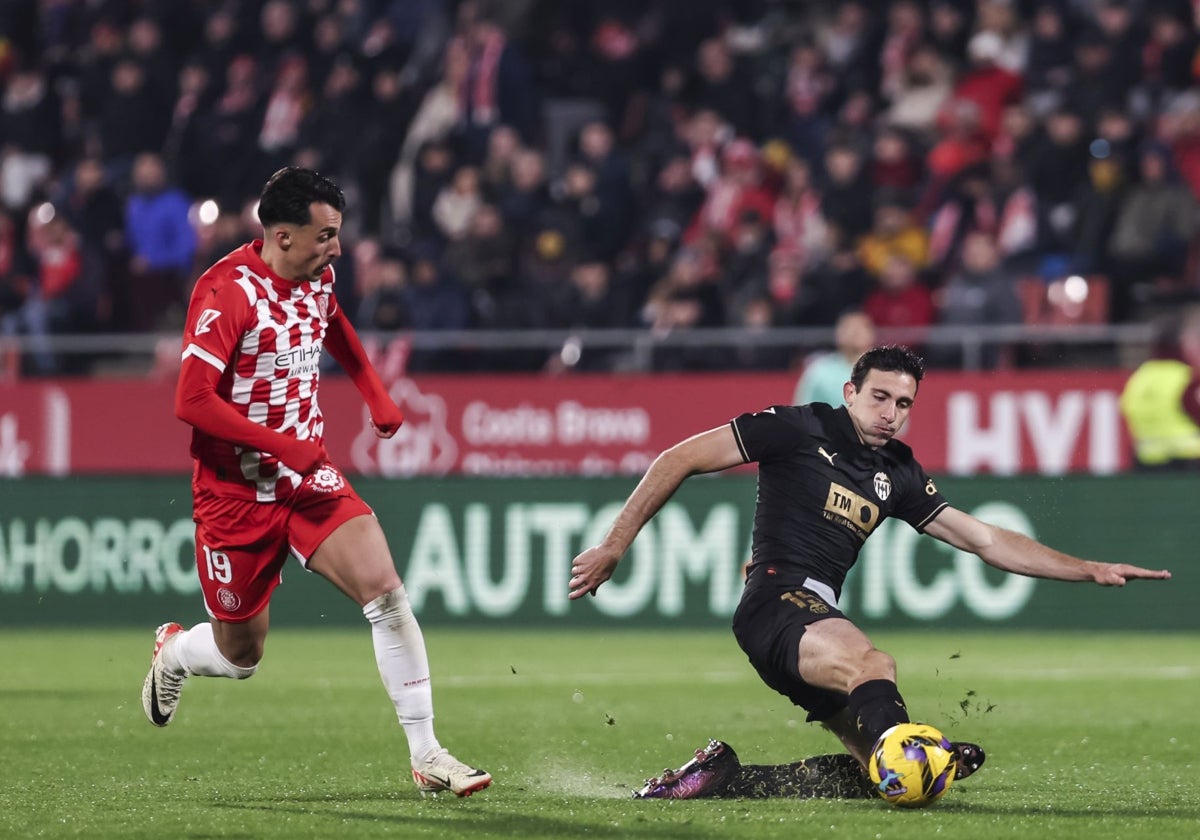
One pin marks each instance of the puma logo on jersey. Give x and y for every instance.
(828, 456)
(206, 318)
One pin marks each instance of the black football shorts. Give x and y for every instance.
(768, 624)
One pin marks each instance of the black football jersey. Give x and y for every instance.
(821, 491)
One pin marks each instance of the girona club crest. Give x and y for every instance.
(229, 600)
(322, 302)
(326, 479)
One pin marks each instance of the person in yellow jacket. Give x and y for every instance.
(1161, 404)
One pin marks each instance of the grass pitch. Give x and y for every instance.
(1087, 737)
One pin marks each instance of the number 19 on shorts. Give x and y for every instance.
(217, 565)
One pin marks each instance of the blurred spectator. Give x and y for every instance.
(287, 105)
(1057, 171)
(28, 133)
(981, 292)
(1160, 404)
(482, 257)
(439, 116)
(132, 120)
(921, 92)
(231, 126)
(986, 199)
(961, 143)
(899, 299)
(893, 164)
(435, 300)
(1168, 57)
(586, 214)
(719, 86)
(756, 316)
(1122, 30)
(813, 297)
(894, 232)
(1097, 205)
(950, 30)
(381, 289)
(1002, 19)
(384, 118)
(846, 191)
(184, 147)
(162, 244)
(499, 87)
(799, 224)
(1049, 68)
(597, 148)
(526, 197)
(808, 100)
(988, 83)
(737, 190)
(457, 203)
(68, 283)
(496, 170)
(826, 373)
(745, 260)
(671, 201)
(93, 208)
(283, 37)
(1097, 81)
(343, 102)
(851, 43)
(905, 29)
(1152, 234)
(684, 299)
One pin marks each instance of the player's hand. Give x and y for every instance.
(388, 422)
(590, 569)
(1118, 574)
(304, 456)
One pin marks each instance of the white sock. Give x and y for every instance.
(404, 667)
(195, 652)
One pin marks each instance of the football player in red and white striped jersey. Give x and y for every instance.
(263, 487)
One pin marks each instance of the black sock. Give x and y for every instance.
(877, 706)
(821, 777)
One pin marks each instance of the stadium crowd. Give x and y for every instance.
(658, 165)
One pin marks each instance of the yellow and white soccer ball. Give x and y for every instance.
(912, 765)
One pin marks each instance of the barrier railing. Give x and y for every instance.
(641, 350)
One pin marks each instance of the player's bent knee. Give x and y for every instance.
(879, 665)
(239, 669)
(243, 661)
(391, 606)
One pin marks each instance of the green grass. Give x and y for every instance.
(1087, 736)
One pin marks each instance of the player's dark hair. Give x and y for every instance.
(288, 194)
(889, 358)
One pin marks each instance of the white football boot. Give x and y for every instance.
(442, 771)
(160, 691)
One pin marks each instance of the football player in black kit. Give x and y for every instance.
(826, 478)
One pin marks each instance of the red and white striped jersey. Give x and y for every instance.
(265, 335)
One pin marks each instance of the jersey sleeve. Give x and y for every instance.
(215, 321)
(921, 501)
(774, 432)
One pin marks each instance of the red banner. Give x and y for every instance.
(1050, 422)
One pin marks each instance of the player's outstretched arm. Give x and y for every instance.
(706, 452)
(1021, 555)
(345, 346)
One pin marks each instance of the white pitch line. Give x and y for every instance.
(1166, 672)
(592, 678)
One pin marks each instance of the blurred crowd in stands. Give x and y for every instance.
(647, 164)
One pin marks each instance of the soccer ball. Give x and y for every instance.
(912, 765)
